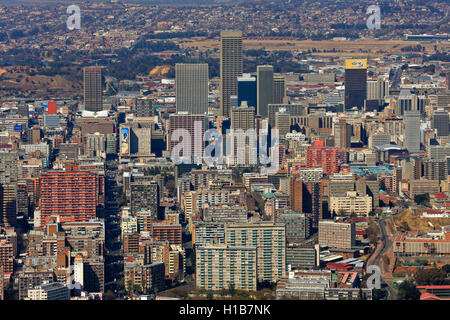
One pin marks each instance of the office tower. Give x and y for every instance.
(231, 67)
(136, 138)
(247, 90)
(377, 89)
(318, 155)
(71, 195)
(298, 225)
(234, 101)
(435, 169)
(51, 121)
(411, 121)
(408, 101)
(355, 83)
(144, 196)
(283, 123)
(264, 89)
(293, 110)
(440, 122)
(93, 90)
(342, 134)
(192, 87)
(221, 267)
(270, 242)
(243, 118)
(143, 107)
(93, 270)
(8, 188)
(195, 126)
(279, 89)
(337, 234)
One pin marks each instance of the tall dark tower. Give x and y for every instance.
(231, 67)
(355, 83)
(93, 91)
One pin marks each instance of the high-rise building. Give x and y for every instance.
(279, 89)
(221, 267)
(144, 196)
(243, 118)
(194, 126)
(231, 67)
(283, 123)
(270, 242)
(292, 109)
(2, 284)
(411, 121)
(298, 225)
(435, 169)
(247, 90)
(8, 188)
(143, 107)
(440, 122)
(264, 89)
(337, 234)
(342, 134)
(70, 195)
(355, 83)
(377, 89)
(93, 89)
(408, 101)
(192, 87)
(318, 155)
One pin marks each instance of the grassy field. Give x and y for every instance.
(417, 222)
(356, 48)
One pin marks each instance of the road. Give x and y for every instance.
(386, 244)
(113, 256)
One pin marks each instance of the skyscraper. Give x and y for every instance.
(355, 83)
(247, 90)
(279, 89)
(411, 121)
(8, 188)
(145, 196)
(243, 118)
(231, 66)
(440, 122)
(264, 89)
(144, 107)
(93, 91)
(192, 87)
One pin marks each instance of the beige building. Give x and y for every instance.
(221, 267)
(270, 242)
(351, 202)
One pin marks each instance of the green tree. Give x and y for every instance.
(430, 277)
(408, 291)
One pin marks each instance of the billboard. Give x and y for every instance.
(124, 140)
(355, 63)
(18, 127)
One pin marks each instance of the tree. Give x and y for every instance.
(432, 276)
(408, 291)
(446, 268)
(422, 198)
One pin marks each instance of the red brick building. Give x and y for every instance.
(318, 155)
(73, 196)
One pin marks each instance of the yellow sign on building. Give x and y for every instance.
(355, 63)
